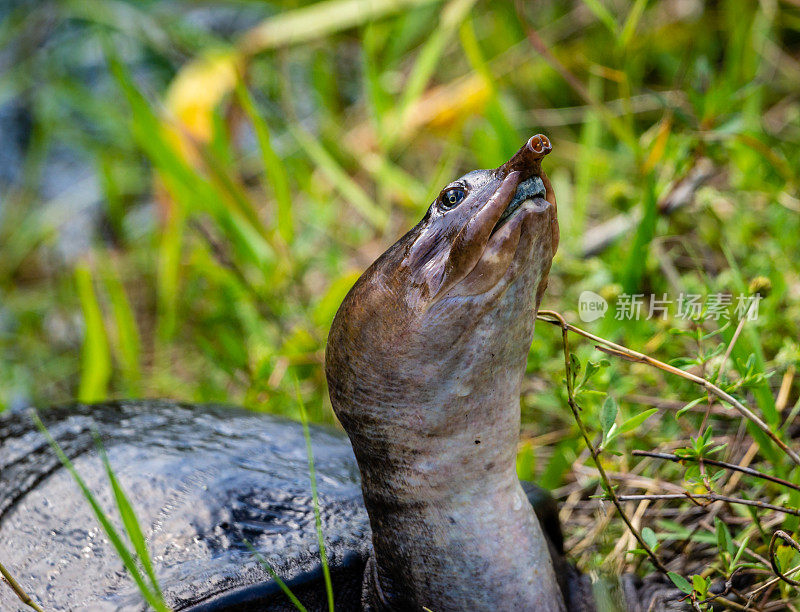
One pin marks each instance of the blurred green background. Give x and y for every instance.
(190, 188)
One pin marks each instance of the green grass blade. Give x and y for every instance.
(629, 28)
(587, 165)
(346, 186)
(147, 130)
(325, 309)
(295, 602)
(189, 189)
(428, 59)
(190, 192)
(637, 257)
(603, 14)
(495, 112)
(394, 178)
(217, 162)
(378, 101)
(95, 354)
(112, 192)
(313, 476)
(168, 274)
(441, 174)
(273, 166)
(128, 345)
(129, 519)
(154, 599)
(318, 20)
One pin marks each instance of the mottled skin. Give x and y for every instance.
(425, 360)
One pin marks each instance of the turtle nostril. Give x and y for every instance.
(528, 159)
(539, 145)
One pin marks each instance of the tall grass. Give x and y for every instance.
(247, 179)
(315, 499)
(148, 588)
(317, 523)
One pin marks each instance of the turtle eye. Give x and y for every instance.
(451, 198)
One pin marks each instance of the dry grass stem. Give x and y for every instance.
(722, 464)
(18, 590)
(606, 346)
(592, 449)
(714, 498)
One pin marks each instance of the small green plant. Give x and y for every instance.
(697, 589)
(273, 574)
(317, 522)
(148, 588)
(315, 498)
(701, 447)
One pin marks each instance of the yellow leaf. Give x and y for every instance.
(660, 145)
(198, 88)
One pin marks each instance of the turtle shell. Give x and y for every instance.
(204, 481)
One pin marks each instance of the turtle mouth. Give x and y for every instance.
(531, 189)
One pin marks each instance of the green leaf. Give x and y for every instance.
(575, 368)
(608, 414)
(636, 420)
(682, 362)
(740, 551)
(592, 367)
(716, 449)
(700, 584)
(723, 536)
(649, 537)
(680, 582)
(689, 406)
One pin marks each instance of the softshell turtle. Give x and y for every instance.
(424, 362)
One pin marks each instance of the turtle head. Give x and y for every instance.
(478, 227)
(457, 291)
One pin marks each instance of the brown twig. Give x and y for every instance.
(617, 350)
(770, 583)
(782, 535)
(722, 464)
(20, 592)
(594, 452)
(711, 497)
